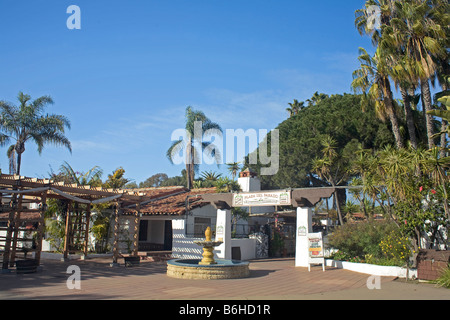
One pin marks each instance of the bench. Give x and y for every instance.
(155, 255)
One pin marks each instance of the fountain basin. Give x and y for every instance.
(223, 269)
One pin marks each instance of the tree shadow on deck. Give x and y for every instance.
(53, 273)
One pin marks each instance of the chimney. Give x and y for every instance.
(249, 181)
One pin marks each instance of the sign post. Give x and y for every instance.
(304, 227)
(223, 234)
(315, 250)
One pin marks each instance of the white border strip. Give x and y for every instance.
(372, 269)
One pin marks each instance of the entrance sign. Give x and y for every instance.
(315, 250)
(262, 199)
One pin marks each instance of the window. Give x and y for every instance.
(200, 226)
(143, 229)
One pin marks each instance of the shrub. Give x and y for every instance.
(361, 239)
(396, 247)
(444, 279)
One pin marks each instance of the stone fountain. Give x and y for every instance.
(207, 268)
(208, 248)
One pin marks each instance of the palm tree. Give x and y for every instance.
(27, 122)
(399, 72)
(195, 121)
(92, 177)
(316, 98)
(295, 107)
(365, 23)
(233, 168)
(210, 175)
(225, 185)
(329, 168)
(418, 33)
(445, 115)
(116, 180)
(11, 153)
(382, 39)
(414, 32)
(372, 80)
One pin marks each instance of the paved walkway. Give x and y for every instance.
(270, 280)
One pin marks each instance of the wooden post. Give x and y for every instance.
(16, 227)
(116, 234)
(41, 227)
(67, 231)
(137, 220)
(86, 230)
(9, 232)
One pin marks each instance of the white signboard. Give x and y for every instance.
(262, 199)
(315, 249)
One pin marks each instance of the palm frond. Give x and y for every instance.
(175, 148)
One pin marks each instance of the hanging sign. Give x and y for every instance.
(262, 199)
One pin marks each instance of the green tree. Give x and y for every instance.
(417, 31)
(411, 186)
(340, 117)
(67, 174)
(225, 185)
(154, 181)
(180, 180)
(295, 107)
(445, 115)
(413, 43)
(332, 166)
(195, 120)
(116, 180)
(27, 122)
(233, 168)
(316, 98)
(210, 175)
(372, 80)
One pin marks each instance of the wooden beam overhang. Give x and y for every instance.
(34, 190)
(306, 197)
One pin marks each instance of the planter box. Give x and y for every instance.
(372, 269)
(132, 261)
(432, 263)
(60, 256)
(26, 266)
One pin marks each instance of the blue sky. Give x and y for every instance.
(125, 79)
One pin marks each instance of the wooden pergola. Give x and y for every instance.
(20, 190)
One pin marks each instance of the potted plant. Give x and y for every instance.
(26, 266)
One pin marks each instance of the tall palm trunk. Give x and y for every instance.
(20, 148)
(409, 117)
(189, 164)
(389, 104)
(427, 102)
(444, 126)
(19, 160)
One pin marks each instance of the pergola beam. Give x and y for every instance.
(25, 188)
(41, 227)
